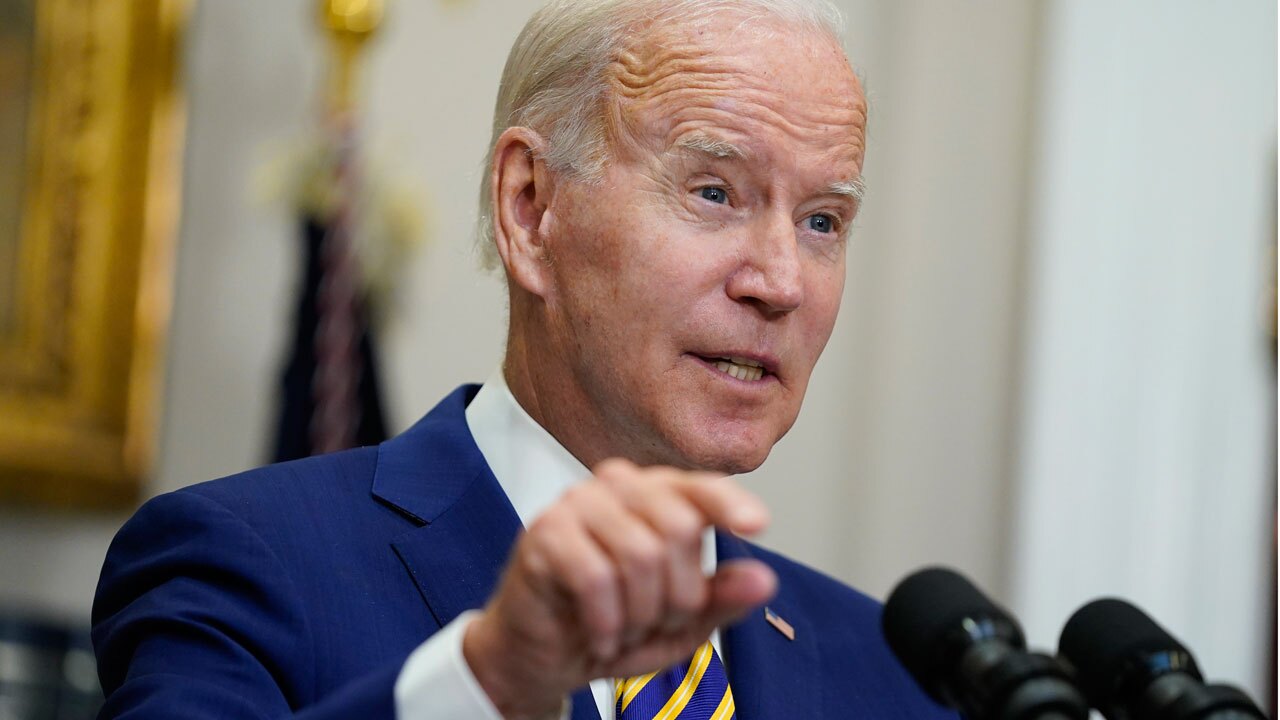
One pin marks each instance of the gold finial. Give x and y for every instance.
(350, 24)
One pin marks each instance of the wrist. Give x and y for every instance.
(512, 689)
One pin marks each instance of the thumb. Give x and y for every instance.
(738, 587)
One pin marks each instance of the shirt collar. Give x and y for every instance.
(532, 467)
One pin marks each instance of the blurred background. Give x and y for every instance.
(1055, 363)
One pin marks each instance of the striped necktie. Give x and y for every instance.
(694, 690)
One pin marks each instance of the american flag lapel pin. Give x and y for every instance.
(779, 624)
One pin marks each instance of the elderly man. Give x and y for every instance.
(670, 190)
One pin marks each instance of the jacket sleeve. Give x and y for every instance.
(195, 617)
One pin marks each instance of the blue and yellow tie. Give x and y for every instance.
(693, 690)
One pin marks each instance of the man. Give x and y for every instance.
(671, 186)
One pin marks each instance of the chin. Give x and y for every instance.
(730, 455)
(741, 465)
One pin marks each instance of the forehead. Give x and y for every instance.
(758, 84)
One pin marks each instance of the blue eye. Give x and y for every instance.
(715, 195)
(821, 223)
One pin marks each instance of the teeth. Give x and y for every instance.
(741, 369)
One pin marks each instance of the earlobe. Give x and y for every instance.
(521, 188)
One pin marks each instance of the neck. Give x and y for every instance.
(529, 371)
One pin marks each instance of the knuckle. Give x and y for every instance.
(526, 549)
(595, 580)
(532, 557)
(579, 494)
(612, 468)
(556, 515)
(547, 525)
(646, 553)
(682, 525)
(604, 622)
(540, 525)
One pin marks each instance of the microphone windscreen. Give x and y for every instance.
(1109, 642)
(925, 610)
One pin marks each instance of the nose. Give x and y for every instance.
(769, 275)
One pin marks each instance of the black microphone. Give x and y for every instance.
(969, 654)
(1130, 668)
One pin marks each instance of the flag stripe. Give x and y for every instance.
(338, 364)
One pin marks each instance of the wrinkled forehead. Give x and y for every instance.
(747, 79)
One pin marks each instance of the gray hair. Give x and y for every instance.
(555, 78)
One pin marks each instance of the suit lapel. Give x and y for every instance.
(584, 705)
(771, 676)
(456, 559)
(436, 477)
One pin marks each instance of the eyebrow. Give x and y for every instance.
(704, 144)
(855, 188)
(707, 145)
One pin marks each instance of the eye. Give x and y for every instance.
(822, 223)
(715, 194)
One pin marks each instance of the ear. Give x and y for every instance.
(522, 189)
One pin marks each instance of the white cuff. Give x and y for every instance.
(437, 684)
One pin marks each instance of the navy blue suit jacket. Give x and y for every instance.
(299, 589)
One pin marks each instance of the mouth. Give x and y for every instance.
(747, 369)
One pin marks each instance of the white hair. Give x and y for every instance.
(555, 79)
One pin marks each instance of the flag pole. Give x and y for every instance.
(331, 400)
(350, 25)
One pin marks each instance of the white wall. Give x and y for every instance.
(904, 452)
(1146, 469)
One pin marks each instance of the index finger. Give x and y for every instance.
(718, 498)
(725, 503)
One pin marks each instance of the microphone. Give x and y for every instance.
(969, 654)
(1130, 668)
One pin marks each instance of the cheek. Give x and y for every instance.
(584, 262)
(827, 290)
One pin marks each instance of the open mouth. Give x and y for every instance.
(738, 367)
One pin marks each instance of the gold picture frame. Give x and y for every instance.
(84, 309)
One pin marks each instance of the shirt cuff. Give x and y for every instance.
(436, 683)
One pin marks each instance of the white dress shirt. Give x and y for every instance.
(534, 470)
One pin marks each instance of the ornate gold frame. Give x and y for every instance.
(80, 369)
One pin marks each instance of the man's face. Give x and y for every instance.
(695, 286)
